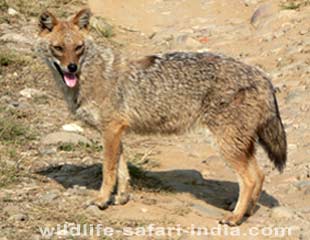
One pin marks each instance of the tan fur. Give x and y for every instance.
(168, 93)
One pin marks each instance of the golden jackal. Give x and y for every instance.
(167, 93)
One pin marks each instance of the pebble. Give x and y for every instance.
(94, 210)
(48, 197)
(15, 38)
(303, 186)
(281, 212)
(303, 31)
(261, 12)
(48, 151)
(31, 92)
(250, 2)
(19, 217)
(64, 137)
(144, 210)
(72, 127)
(12, 12)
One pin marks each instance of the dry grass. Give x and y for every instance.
(294, 4)
(11, 59)
(12, 129)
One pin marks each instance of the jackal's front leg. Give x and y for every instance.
(112, 144)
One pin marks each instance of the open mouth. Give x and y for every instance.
(70, 79)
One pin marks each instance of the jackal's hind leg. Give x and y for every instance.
(259, 180)
(243, 163)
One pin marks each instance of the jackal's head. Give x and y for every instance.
(63, 44)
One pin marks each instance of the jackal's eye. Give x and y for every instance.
(79, 47)
(58, 48)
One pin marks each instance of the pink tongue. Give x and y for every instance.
(70, 80)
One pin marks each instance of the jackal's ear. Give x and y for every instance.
(47, 21)
(82, 18)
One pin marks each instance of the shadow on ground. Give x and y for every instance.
(218, 193)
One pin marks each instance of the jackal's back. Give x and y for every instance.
(173, 92)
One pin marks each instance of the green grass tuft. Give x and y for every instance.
(13, 130)
(89, 148)
(3, 5)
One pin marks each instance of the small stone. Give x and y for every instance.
(31, 92)
(72, 127)
(303, 31)
(12, 12)
(292, 146)
(48, 197)
(260, 13)
(144, 210)
(16, 38)
(19, 217)
(48, 151)
(281, 212)
(303, 186)
(64, 137)
(250, 2)
(94, 210)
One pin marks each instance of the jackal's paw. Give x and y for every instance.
(121, 198)
(101, 202)
(231, 220)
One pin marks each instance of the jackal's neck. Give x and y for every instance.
(98, 80)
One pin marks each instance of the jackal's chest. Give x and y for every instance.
(89, 113)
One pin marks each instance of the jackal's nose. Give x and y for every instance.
(72, 67)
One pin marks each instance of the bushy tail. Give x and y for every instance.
(273, 139)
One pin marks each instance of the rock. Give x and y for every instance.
(281, 212)
(31, 92)
(207, 210)
(12, 12)
(303, 186)
(72, 127)
(92, 209)
(47, 150)
(144, 210)
(19, 217)
(261, 13)
(16, 38)
(64, 137)
(250, 2)
(48, 197)
(303, 31)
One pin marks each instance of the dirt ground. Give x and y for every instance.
(48, 173)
